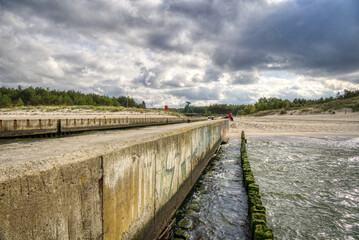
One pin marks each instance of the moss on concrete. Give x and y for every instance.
(189, 213)
(193, 206)
(185, 223)
(181, 234)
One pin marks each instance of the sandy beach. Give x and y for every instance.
(68, 113)
(345, 124)
(342, 123)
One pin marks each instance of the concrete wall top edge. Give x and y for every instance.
(28, 158)
(43, 118)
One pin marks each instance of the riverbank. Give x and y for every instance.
(345, 124)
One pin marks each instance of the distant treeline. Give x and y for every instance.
(270, 104)
(40, 96)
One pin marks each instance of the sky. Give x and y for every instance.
(167, 52)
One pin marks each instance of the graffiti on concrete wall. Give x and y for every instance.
(176, 163)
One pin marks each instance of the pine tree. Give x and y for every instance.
(19, 102)
(5, 101)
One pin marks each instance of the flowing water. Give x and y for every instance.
(310, 186)
(221, 211)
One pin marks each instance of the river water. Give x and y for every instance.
(221, 198)
(309, 186)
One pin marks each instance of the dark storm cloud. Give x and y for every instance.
(182, 46)
(210, 14)
(85, 15)
(319, 35)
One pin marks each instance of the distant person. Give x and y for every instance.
(230, 116)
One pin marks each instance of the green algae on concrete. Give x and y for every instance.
(185, 223)
(193, 206)
(189, 213)
(181, 234)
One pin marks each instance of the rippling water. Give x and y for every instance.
(221, 198)
(310, 186)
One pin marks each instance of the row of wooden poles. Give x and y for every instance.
(257, 212)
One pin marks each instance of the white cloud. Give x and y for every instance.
(276, 1)
(165, 52)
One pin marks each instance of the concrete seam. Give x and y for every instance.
(101, 196)
(154, 195)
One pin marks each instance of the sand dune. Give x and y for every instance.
(311, 125)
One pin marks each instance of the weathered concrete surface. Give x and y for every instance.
(121, 184)
(61, 203)
(26, 127)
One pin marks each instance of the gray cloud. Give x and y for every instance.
(244, 78)
(212, 75)
(319, 36)
(109, 87)
(184, 47)
(201, 93)
(148, 77)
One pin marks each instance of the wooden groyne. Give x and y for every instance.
(257, 212)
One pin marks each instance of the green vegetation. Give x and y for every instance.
(182, 234)
(267, 106)
(257, 215)
(185, 223)
(23, 97)
(10, 97)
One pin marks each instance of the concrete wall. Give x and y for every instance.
(27, 126)
(127, 192)
(144, 184)
(64, 202)
(24, 127)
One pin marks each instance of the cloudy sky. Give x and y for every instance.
(166, 52)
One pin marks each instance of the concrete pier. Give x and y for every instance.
(28, 127)
(117, 185)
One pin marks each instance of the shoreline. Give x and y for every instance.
(341, 124)
(312, 125)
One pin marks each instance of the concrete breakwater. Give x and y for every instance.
(118, 185)
(28, 127)
(257, 212)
